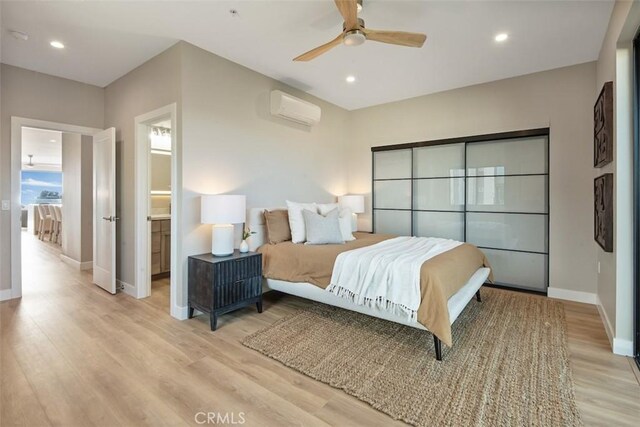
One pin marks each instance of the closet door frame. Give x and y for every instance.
(493, 137)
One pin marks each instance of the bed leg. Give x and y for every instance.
(437, 344)
(478, 296)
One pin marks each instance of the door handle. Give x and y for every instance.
(110, 218)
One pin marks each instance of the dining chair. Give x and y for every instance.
(57, 222)
(45, 222)
(52, 222)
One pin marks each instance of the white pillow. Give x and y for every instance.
(296, 220)
(322, 230)
(325, 208)
(345, 225)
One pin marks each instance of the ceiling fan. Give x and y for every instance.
(30, 165)
(354, 33)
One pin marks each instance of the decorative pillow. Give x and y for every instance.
(345, 224)
(322, 230)
(277, 224)
(325, 208)
(296, 220)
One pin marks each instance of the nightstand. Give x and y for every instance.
(218, 285)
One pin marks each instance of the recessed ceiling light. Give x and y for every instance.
(52, 140)
(350, 79)
(57, 44)
(501, 37)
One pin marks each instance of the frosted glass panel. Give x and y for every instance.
(438, 161)
(508, 157)
(392, 222)
(392, 194)
(517, 269)
(507, 194)
(508, 231)
(439, 194)
(392, 164)
(448, 225)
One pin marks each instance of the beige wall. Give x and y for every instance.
(72, 195)
(615, 282)
(86, 213)
(561, 99)
(77, 197)
(38, 96)
(154, 84)
(231, 144)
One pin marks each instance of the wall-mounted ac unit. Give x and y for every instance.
(289, 107)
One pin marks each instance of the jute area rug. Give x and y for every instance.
(508, 365)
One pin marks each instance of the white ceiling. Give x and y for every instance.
(46, 147)
(107, 39)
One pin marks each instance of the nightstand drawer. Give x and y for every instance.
(239, 290)
(238, 269)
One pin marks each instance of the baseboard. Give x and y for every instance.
(86, 265)
(618, 346)
(126, 288)
(180, 313)
(623, 347)
(6, 294)
(569, 295)
(70, 261)
(605, 321)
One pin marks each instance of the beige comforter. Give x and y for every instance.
(440, 277)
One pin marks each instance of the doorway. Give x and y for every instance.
(158, 209)
(41, 153)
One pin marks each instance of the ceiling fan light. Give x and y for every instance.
(354, 38)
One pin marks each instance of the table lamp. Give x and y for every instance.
(355, 202)
(222, 210)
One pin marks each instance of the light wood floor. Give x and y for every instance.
(71, 354)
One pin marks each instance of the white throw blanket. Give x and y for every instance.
(387, 275)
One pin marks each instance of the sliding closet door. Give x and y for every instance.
(489, 192)
(507, 210)
(438, 191)
(392, 192)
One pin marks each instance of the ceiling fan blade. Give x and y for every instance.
(308, 56)
(396, 37)
(349, 11)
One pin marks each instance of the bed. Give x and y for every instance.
(455, 304)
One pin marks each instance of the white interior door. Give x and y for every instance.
(104, 210)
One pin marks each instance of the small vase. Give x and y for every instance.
(244, 247)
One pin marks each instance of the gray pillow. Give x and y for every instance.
(322, 230)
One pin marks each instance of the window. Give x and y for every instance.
(41, 187)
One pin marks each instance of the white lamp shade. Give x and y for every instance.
(223, 209)
(355, 202)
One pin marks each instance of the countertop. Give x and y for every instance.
(158, 217)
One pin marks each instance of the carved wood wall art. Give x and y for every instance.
(603, 127)
(603, 211)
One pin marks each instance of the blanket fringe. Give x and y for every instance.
(378, 303)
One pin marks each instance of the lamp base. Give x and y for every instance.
(222, 240)
(354, 222)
